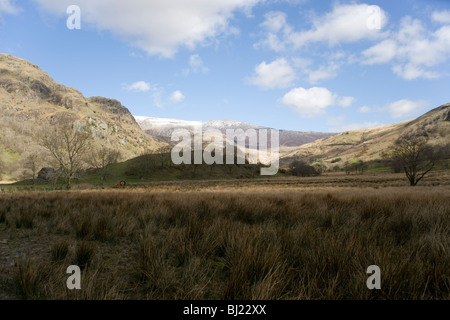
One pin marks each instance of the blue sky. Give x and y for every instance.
(288, 64)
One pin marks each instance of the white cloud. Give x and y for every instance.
(382, 52)
(335, 61)
(274, 21)
(403, 108)
(273, 42)
(8, 7)
(157, 27)
(413, 49)
(411, 71)
(441, 16)
(324, 72)
(314, 101)
(346, 23)
(301, 63)
(139, 86)
(155, 91)
(196, 65)
(364, 109)
(277, 74)
(309, 102)
(177, 97)
(157, 94)
(345, 101)
(321, 74)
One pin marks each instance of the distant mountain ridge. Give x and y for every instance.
(162, 128)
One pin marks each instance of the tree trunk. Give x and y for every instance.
(68, 183)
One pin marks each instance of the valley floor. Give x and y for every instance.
(279, 238)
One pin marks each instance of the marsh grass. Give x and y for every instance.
(228, 245)
(28, 279)
(84, 253)
(60, 250)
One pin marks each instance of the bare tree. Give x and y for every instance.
(415, 156)
(32, 162)
(102, 159)
(67, 146)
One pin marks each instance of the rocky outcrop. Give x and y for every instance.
(110, 105)
(47, 174)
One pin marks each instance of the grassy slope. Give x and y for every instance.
(369, 144)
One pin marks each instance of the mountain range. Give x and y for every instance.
(31, 100)
(162, 129)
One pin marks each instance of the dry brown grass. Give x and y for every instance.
(284, 244)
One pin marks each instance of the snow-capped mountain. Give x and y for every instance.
(162, 129)
(228, 124)
(153, 123)
(150, 122)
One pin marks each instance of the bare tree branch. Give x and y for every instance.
(67, 146)
(415, 156)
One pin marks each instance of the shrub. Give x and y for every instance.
(301, 168)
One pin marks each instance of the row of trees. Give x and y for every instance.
(355, 166)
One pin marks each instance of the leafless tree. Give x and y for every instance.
(102, 159)
(32, 162)
(67, 146)
(415, 155)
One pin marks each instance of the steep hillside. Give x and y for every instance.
(30, 99)
(370, 144)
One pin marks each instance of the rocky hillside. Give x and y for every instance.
(30, 99)
(370, 144)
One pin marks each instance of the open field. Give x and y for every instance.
(283, 238)
(280, 182)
